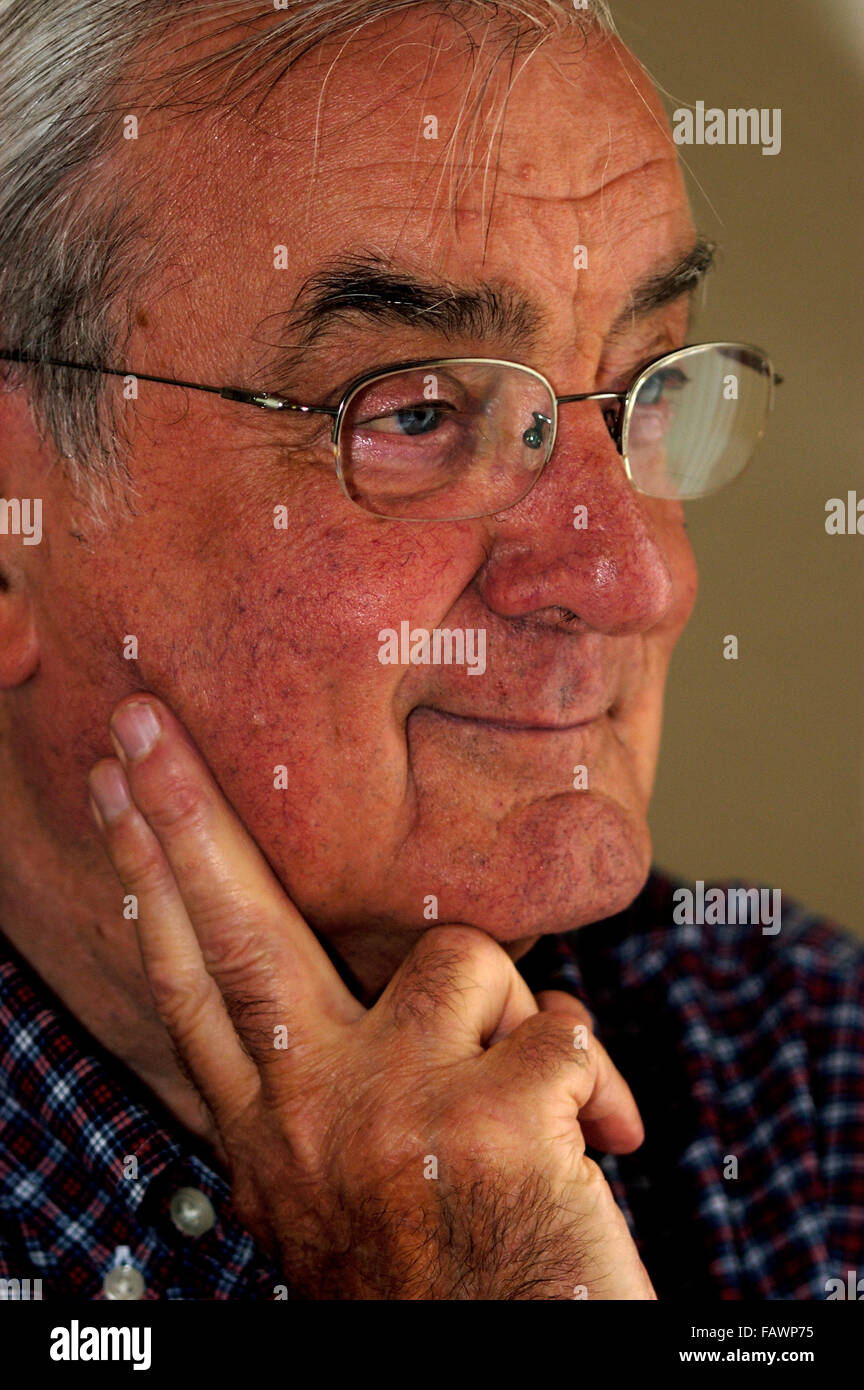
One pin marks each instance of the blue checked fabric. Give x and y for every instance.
(745, 1053)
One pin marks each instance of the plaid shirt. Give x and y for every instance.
(745, 1053)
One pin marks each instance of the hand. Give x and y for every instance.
(432, 1146)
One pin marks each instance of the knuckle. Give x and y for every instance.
(445, 962)
(252, 1016)
(595, 1191)
(181, 998)
(181, 804)
(467, 945)
(143, 869)
(231, 949)
(545, 1043)
(240, 970)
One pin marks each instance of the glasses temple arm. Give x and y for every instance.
(593, 396)
(263, 399)
(104, 371)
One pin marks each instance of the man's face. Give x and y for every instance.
(403, 781)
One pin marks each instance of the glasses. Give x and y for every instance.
(455, 438)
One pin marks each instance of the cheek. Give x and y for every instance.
(270, 659)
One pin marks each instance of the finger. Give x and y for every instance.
(253, 940)
(572, 1087)
(459, 985)
(552, 1001)
(610, 1118)
(186, 997)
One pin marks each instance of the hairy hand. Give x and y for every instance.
(432, 1146)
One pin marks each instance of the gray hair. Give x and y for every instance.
(74, 256)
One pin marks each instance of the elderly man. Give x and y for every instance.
(342, 357)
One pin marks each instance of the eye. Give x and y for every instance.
(409, 420)
(655, 386)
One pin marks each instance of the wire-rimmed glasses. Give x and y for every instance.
(456, 438)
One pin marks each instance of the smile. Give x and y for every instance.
(513, 726)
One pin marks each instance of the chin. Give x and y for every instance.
(554, 867)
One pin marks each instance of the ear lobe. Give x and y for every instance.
(19, 645)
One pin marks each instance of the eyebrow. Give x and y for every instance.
(655, 292)
(368, 286)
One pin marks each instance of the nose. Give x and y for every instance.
(583, 539)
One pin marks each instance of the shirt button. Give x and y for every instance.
(192, 1211)
(124, 1282)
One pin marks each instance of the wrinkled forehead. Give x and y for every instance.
(437, 108)
(431, 143)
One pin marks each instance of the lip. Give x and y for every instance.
(510, 726)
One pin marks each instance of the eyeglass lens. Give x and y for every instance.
(469, 438)
(694, 422)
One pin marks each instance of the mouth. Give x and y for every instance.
(520, 726)
(503, 766)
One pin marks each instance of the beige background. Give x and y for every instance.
(762, 769)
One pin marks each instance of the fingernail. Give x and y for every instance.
(109, 790)
(136, 728)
